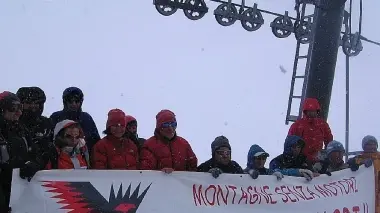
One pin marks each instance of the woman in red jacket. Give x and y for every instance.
(115, 151)
(71, 148)
(165, 150)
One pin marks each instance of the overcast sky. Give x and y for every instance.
(218, 80)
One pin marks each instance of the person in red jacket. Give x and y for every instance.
(115, 151)
(165, 150)
(71, 148)
(312, 129)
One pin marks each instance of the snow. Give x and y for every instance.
(218, 80)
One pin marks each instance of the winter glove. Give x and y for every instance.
(278, 175)
(368, 163)
(167, 170)
(253, 173)
(354, 167)
(306, 174)
(29, 170)
(215, 172)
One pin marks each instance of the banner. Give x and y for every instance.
(106, 191)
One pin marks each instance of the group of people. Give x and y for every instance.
(69, 139)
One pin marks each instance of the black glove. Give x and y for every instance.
(29, 170)
(354, 167)
(215, 172)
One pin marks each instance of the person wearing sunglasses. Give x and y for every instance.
(71, 149)
(166, 151)
(72, 110)
(292, 162)
(16, 147)
(114, 151)
(256, 160)
(220, 161)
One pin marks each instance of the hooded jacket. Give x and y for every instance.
(288, 164)
(314, 131)
(83, 118)
(250, 164)
(325, 166)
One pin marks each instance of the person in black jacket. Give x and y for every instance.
(221, 160)
(72, 110)
(131, 132)
(39, 127)
(292, 162)
(17, 149)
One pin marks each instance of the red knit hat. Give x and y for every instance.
(115, 117)
(164, 116)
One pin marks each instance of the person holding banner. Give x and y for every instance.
(370, 156)
(220, 161)
(71, 149)
(292, 162)
(115, 151)
(16, 147)
(334, 159)
(166, 151)
(256, 160)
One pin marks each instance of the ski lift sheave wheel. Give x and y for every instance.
(352, 45)
(253, 20)
(165, 10)
(282, 27)
(302, 32)
(226, 14)
(192, 15)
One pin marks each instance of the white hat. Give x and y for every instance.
(61, 125)
(261, 153)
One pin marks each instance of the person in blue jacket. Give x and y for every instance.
(72, 110)
(292, 162)
(256, 160)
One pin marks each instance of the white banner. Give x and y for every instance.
(109, 191)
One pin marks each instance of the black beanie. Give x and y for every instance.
(220, 141)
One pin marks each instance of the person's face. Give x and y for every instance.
(31, 106)
(336, 157)
(132, 128)
(117, 130)
(223, 155)
(74, 104)
(72, 136)
(370, 147)
(168, 129)
(259, 161)
(14, 112)
(296, 149)
(311, 114)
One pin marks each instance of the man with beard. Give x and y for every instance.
(221, 162)
(72, 110)
(131, 132)
(39, 127)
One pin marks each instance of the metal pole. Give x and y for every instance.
(347, 135)
(323, 52)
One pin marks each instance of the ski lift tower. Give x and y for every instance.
(318, 76)
(321, 31)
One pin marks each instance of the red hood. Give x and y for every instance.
(310, 104)
(130, 118)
